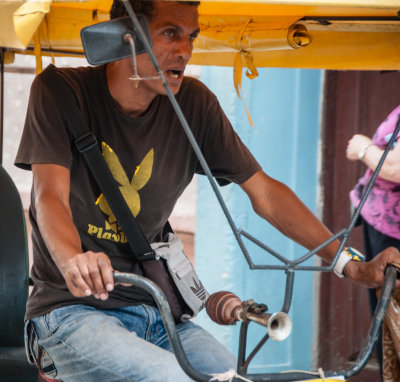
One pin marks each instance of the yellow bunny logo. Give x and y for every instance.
(129, 189)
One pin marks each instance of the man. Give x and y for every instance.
(87, 328)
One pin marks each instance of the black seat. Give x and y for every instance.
(14, 278)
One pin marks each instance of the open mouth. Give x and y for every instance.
(175, 74)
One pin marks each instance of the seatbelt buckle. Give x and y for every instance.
(148, 256)
(85, 142)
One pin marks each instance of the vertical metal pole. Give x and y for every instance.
(2, 50)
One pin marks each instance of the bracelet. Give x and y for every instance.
(363, 151)
(345, 256)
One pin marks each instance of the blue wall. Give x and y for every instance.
(285, 107)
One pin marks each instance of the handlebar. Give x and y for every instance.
(166, 315)
(162, 304)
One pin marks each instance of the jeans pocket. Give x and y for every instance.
(30, 338)
(36, 354)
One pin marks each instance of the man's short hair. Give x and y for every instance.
(145, 7)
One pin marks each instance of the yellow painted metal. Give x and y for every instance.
(342, 34)
(335, 34)
(327, 50)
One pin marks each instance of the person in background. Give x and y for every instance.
(380, 215)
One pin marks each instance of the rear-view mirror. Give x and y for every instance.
(104, 42)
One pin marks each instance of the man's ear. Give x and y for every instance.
(104, 42)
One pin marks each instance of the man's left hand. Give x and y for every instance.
(372, 274)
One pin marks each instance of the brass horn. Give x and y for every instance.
(225, 308)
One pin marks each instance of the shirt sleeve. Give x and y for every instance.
(227, 156)
(45, 138)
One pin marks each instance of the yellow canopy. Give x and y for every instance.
(342, 34)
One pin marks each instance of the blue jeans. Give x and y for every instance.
(84, 344)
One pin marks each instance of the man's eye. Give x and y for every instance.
(170, 33)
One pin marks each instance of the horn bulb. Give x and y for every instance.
(225, 308)
(222, 307)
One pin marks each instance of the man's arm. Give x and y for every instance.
(85, 273)
(276, 203)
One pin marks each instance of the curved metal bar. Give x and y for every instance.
(242, 368)
(264, 247)
(377, 320)
(323, 245)
(188, 132)
(289, 265)
(241, 362)
(283, 259)
(237, 234)
(169, 323)
(344, 232)
(365, 353)
(287, 302)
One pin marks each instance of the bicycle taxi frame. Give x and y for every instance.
(268, 33)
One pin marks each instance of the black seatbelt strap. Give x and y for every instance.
(87, 145)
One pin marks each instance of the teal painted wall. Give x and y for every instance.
(285, 107)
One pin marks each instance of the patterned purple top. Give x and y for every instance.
(382, 207)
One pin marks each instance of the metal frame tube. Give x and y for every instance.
(169, 324)
(166, 315)
(236, 232)
(289, 266)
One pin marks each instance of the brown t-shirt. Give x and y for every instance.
(149, 156)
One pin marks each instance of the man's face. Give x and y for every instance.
(173, 28)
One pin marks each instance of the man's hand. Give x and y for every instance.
(372, 273)
(89, 273)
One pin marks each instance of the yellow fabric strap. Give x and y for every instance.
(251, 71)
(237, 73)
(38, 52)
(237, 80)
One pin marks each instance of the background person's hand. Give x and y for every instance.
(355, 144)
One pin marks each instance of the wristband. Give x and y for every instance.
(363, 151)
(345, 256)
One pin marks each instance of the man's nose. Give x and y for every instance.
(184, 48)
